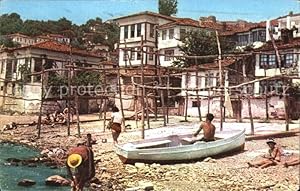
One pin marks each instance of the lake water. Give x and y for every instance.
(11, 175)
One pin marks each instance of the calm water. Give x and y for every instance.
(11, 175)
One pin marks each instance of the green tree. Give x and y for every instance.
(10, 23)
(202, 43)
(167, 7)
(6, 42)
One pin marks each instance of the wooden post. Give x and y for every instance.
(162, 97)
(197, 93)
(239, 108)
(77, 114)
(286, 107)
(284, 81)
(168, 94)
(147, 112)
(266, 94)
(186, 96)
(105, 100)
(120, 97)
(69, 94)
(135, 92)
(143, 89)
(250, 115)
(76, 108)
(41, 106)
(221, 81)
(100, 109)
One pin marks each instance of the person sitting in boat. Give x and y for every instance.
(115, 124)
(208, 129)
(272, 158)
(80, 166)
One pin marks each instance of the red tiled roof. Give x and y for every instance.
(146, 13)
(181, 22)
(215, 64)
(232, 29)
(18, 34)
(58, 47)
(293, 43)
(56, 35)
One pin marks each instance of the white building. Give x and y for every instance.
(22, 93)
(291, 21)
(21, 39)
(132, 29)
(170, 35)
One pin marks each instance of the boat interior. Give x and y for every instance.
(170, 141)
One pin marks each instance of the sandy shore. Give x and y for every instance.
(228, 173)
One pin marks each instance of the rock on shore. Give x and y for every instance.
(57, 180)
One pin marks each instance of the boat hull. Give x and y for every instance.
(230, 143)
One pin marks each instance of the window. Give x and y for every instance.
(164, 35)
(263, 61)
(182, 33)
(152, 31)
(168, 53)
(139, 29)
(262, 36)
(171, 33)
(271, 85)
(125, 32)
(209, 77)
(272, 61)
(14, 66)
(151, 55)
(2, 66)
(139, 54)
(243, 39)
(289, 59)
(132, 29)
(218, 79)
(125, 56)
(195, 103)
(132, 54)
(2, 88)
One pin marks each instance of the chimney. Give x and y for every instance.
(268, 28)
(224, 26)
(212, 19)
(288, 22)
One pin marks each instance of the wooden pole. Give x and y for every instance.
(208, 102)
(136, 92)
(284, 81)
(168, 94)
(162, 94)
(198, 99)
(250, 115)
(105, 100)
(41, 106)
(143, 90)
(221, 81)
(266, 94)
(77, 114)
(100, 109)
(186, 96)
(121, 101)
(147, 112)
(69, 93)
(286, 107)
